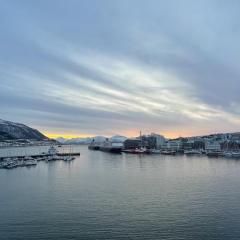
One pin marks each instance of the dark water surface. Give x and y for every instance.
(109, 196)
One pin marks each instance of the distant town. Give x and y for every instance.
(220, 144)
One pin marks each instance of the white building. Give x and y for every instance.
(175, 145)
(160, 140)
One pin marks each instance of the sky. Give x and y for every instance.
(89, 67)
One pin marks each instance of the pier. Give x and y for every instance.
(34, 156)
(32, 160)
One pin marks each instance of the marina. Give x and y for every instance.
(55, 153)
(27, 160)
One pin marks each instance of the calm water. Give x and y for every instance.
(107, 196)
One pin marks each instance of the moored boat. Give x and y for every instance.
(214, 153)
(136, 150)
(236, 154)
(112, 147)
(68, 158)
(168, 152)
(32, 162)
(93, 146)
(192, 152)
(154, 151)
(227, 154)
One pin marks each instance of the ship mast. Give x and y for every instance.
(141, 140)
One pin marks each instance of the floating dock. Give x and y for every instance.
(41, 156)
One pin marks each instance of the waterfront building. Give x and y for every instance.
(132, 143)
(159, 140)
(153, 141)
(235, 137)
(212, 146)
(175, 145)
(188, 144)
(194, 143)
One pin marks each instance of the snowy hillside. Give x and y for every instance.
(97, 139)
(11, 131)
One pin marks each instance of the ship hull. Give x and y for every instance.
(93, 148)
(111, 149)
(134, 151)
(214, 154)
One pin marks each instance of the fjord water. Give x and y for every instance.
(118, 196)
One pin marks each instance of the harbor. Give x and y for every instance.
(104, 181)
(215, 145)
(29, 160)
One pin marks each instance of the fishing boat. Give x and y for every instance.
(136, 150)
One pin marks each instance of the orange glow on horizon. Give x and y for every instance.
(67, 136)
(166, 134)
(130, 134)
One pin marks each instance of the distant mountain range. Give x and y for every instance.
(13, 131)
(98, 139)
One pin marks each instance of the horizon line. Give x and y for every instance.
(72, 136)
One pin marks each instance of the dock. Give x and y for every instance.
(69, 154)
(34, 156)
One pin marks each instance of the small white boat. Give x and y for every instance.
(227, 154)
(192, 152)
(31, 162)
(68, 158)
(168, 152)
(236, 154)
(155, 151)
(135, 150)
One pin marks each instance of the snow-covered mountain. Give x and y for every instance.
(12, 131)
(97, 139)
(118, 138)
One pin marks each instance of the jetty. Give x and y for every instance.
(32, 159)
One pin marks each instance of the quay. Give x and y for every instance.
(32, 159)
(41, 156)
(69, 154)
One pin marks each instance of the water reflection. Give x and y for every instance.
(107, 196)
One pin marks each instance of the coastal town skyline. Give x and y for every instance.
(166, 67)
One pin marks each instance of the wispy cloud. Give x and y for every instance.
(164, 70)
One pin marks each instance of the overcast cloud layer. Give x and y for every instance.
(106, 67)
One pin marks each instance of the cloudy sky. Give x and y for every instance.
(85, 67)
